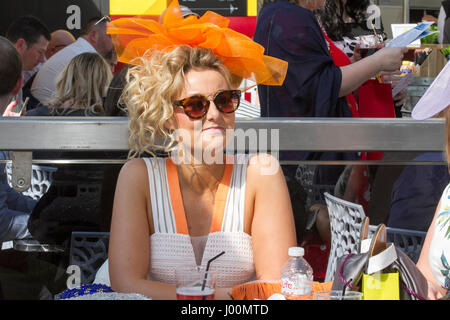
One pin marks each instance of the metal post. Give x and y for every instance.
(405, 11)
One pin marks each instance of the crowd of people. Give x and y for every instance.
(184, 89)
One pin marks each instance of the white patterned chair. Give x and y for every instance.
(410, 241)
(346, 219)
(41, 179)
(88, 251)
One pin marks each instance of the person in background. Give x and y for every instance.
(59, 40)
(348, 24)
(15, 208)
(416, 192)
(314, 86)
(444, 23)
(93, 38)
(80, 88)
(111, 59)
(434, 260)
(31, 37)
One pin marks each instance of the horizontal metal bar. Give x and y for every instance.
(331, 134)
(294, 134)
(283, 162)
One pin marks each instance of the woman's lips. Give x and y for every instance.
(214, 129)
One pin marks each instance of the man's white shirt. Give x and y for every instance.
(44, 84)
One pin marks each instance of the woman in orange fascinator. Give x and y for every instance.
(187, 208)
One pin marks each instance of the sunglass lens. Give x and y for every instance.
(195, 107)
(227, 101)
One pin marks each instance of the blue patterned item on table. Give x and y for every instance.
(84, 290)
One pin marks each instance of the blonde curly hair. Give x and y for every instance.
(151, 89)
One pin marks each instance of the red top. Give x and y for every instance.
(341, 60)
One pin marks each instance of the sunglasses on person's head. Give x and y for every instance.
(104, 18)
(197, 106)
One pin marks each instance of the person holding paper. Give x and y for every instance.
(315, 86)
(434, 260)
(352, 24)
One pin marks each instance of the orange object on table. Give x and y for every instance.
(263, 290)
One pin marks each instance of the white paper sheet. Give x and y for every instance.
(415, 34)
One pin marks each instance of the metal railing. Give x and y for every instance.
(23, 135)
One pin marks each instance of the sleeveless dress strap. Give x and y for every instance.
(233, 220)
(220, 201)
(178, 213)
(167, 202)
(163, 218)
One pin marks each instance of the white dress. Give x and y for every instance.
(439, 253)
(171, 246)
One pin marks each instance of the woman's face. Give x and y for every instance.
(210, 134)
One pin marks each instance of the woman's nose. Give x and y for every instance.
(213, 113)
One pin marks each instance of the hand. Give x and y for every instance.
(356, 53)
(390, 59)
(430, 18)
(9, 110)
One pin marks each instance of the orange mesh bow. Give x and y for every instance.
(134, 37)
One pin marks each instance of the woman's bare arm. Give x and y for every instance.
(434, 290)
(129, 249)
(273, 227)
(355, 74)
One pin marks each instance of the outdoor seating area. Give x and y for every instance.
(239, 150)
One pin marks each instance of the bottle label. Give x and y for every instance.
(290, 287)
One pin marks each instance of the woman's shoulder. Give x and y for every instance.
(262, 164)
(134, 168)
(141, 165)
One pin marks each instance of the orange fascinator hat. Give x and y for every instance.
(136, 37)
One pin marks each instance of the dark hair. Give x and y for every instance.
(28, 28)
(270, 1)
(10, 68)
(87, 28)
(331, 16)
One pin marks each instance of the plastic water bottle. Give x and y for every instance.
(296, 276)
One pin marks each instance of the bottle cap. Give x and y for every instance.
(296, 252)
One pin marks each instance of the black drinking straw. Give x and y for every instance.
(345, 288)
(207, 269)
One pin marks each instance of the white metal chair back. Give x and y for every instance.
(41, 179)
(346, 219)
(409, 241)
(88, 251)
